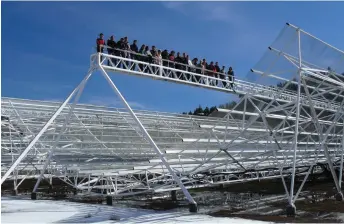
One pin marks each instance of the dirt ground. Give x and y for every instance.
(318, 205)
(305, 218)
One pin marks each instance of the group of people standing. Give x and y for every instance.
(123, 48)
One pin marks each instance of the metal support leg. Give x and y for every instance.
(339, 196)
(51, 152)
(192, 202)
(109, 200)
(33, 195)
(341, 163)
(291, 209)
(174, 195)
(33, 142)
(303, 183)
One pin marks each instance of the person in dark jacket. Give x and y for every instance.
(135, 50)
(123, 45)
(217, 67)
(119, 47)
(118, 50)
(217, 70)
(178, 61)
(231, 77)
(111, 43)
(164, 56)
(211, 69)
(211, 73)
(185, 60)
(182, 66)
(111, 49)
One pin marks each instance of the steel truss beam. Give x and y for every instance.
(270, 133)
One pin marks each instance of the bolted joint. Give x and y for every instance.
(193, 208)
(339, 196)
(291, 210)
(33, 195)
(174, 195)
(15, 192)
(109, 200)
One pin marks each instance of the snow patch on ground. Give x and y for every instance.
(29, 211)
(341, 216)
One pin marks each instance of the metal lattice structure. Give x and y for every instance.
(272, 132)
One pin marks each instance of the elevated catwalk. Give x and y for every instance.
(272, 132)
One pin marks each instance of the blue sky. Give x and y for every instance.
(46, 45)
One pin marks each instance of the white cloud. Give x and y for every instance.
(179, 6)
(236, 23)
(223, 12)
(213, 11)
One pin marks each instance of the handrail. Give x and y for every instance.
(195, 67)
(242, 87)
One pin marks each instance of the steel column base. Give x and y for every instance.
(339, 196)
(33, 196)
(193, 208)
(291, 210)
(109, 200)
(14, 192)
(75, 191)
(174, 195)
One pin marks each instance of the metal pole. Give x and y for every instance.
(33, 142)
(341, 163)
(148, 137)
(296, 122)
(303, 183)
(51, 152)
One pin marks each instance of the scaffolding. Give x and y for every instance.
(272, 131)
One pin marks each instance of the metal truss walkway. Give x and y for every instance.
(271, 132)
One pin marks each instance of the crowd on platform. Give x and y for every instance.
(123, 48)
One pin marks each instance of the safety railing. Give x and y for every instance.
(138, 64)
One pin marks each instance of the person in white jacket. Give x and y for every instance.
(158, 58)
(158, 61)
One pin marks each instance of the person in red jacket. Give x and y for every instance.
(171, 59)
(100, 43)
